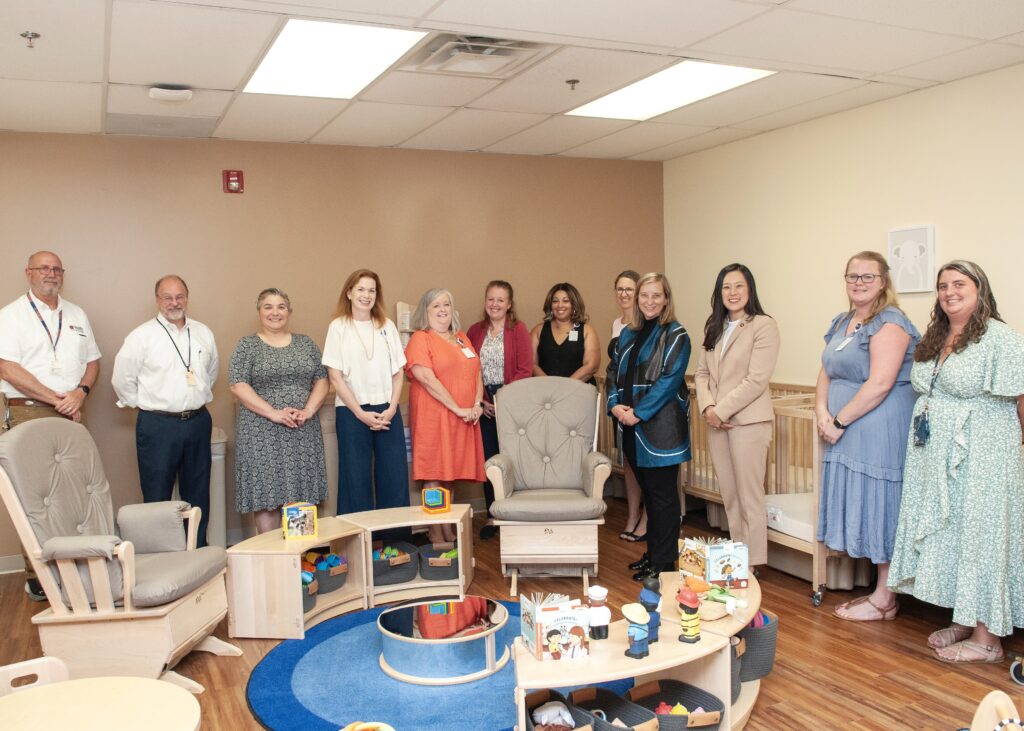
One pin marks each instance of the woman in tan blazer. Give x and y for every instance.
(741, 345)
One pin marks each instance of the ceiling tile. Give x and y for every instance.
(633, 140)
(862, 95)
(1016, 38)
(277, 118)
(392, 12)
(151, 125)
(906, 81)
(432, 90)
(971, 61)
(714, 138)
(558, 134)
(845, 46)
(370, 124)
(50, 106)
(126, 99)
(542, 88)
(665, 24)
(986, 19)
(193, 46)
(770, 94)
(70, 46)
(472, 129)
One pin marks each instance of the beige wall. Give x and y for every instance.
(122, 211)
(794, 204)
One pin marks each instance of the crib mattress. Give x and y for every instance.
(792, 514)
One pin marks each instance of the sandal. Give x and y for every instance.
(982, 653)
(630, 535)
(634, 538)
(949, 636)
(883, 613)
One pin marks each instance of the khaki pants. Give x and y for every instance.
(10, 417)
(740, 456)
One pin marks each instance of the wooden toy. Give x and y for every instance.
(650, 598)
(637, 632)
(689, 621)
(600, 615)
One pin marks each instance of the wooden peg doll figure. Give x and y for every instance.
(689, 621)
(650, 598)
(600, 615)
(637, 631)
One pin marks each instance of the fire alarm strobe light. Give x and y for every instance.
(233, 181)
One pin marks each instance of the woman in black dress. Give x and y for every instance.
(565, 344)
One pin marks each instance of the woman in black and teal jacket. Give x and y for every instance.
(650, 401)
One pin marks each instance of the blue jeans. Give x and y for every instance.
(373, 471)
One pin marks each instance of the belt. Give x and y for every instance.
(181, 415)
(28, 402)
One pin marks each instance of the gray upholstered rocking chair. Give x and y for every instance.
(127, 604)
(548, 480)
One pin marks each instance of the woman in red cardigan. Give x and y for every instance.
(506, 355)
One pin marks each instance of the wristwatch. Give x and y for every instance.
(838, 424)
(85, 389)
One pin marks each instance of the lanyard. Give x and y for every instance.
(188, 366)
(60, 325)
(936, 367)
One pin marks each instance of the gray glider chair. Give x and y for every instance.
(548, 480)
(130, 599)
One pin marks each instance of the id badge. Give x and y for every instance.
(921, 429)
(190, 378)
(574, 335)
(55, 367)
(845, 342)
(468, 352)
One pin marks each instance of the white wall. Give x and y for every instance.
(794, 204)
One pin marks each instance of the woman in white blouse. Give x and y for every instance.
(365, 361)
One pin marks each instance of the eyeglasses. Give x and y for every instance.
(177, 298)
(47, 270)
(866, 278)
(624, 290)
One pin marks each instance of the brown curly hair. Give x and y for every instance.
(938, 329)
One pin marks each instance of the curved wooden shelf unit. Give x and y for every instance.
(704, 664)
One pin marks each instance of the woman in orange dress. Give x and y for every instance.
(445, 400)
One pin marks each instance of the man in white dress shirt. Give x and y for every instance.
(49, 360)
(166, 368)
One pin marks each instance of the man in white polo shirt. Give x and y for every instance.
(49, 360)
(166, 368)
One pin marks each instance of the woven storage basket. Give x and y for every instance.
(736, 651)
(539, 697)
(437, 572)
(649, 695)
(385, 572)
(636, 718)
(332, 579)
(759, 658)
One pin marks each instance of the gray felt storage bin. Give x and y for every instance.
(636, 718)
(650, 695)
(539, 697)
(386, 571)
(332, 579)
(759, 658)
(435, 568)
(309, 596)
(736, 651)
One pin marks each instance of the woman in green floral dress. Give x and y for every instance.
(960, 539)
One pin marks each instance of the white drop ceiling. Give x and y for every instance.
(91, 69)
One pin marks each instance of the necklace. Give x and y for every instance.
(373, 340)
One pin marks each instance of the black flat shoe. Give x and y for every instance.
(488, 531)
(653, 571)
(640, 564)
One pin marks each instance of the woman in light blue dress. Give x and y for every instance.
(960, 541)
(863, 404)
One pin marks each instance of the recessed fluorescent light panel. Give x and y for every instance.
(674, 87)
(331, 60)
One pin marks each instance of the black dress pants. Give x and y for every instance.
(170, 448)
(659, 486)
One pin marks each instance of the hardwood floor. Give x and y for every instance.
(878, 676)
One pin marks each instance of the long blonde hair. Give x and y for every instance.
(667, 315)
(887, 297)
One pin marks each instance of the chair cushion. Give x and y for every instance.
(551, 505)
(163, 577)
(546, 426)
(153, 527)
(57, 474)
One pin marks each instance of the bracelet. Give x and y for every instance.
(838, 424)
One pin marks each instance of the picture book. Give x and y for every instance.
(718, 561)
(554, 627)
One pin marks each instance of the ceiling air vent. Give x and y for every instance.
(475, 56)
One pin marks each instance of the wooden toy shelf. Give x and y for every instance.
(704, 664)
(263, 578)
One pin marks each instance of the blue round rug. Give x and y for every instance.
(332, 678)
